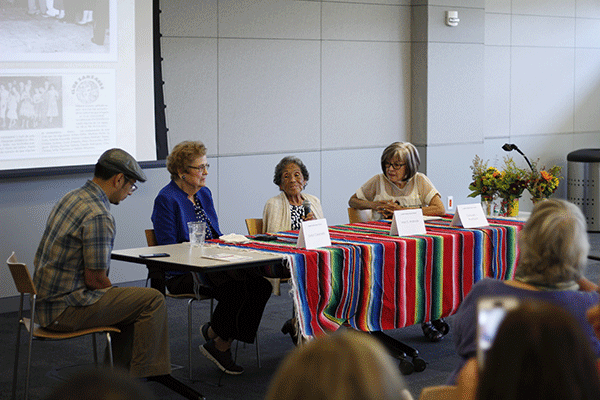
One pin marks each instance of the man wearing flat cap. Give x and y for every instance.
(71, 272)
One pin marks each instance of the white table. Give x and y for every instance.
(184, 257)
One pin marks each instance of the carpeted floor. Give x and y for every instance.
(54, 361)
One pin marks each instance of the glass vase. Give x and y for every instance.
(488, 206)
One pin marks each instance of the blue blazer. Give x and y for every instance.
(173, 210)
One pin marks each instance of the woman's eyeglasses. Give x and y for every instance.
(396, 166)
(200, 167)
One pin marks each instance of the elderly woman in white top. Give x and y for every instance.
(286, 211)
(401, 187)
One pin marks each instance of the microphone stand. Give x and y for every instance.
(511, 146)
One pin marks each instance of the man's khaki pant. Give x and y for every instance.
(141, 314)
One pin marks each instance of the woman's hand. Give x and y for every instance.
(385, 207)
(309, 217)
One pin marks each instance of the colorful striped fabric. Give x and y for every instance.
(374, 281)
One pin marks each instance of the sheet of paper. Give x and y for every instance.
(408, 222)
(469, 216)
(227, 257)
(314, 234)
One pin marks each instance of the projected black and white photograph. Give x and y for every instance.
(57, 30)
(54, 113)
(30, 102)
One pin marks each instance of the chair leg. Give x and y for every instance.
(190, 337)
(28, 374)
(257, 350)
(18, 345)
(95, 349)
(110, 352)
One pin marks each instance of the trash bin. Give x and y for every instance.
(583, 184)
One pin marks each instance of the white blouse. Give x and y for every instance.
(418, 192)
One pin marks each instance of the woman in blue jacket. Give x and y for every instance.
(241, 297)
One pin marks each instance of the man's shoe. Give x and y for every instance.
(204, 330)
(222, 359)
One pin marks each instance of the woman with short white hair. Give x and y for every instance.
(553, 249)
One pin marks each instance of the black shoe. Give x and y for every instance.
(441, 325)
(204, 331)
(222, 359)
(431, 333)
(290, 327)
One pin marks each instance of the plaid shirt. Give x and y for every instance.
(79, 235)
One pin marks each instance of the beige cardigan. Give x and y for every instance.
(277, 216)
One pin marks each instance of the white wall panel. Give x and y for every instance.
(543, 31)
(455, 93)
(398, 2)
(497, 29)
(190, 90)
(470, 29)
(366, 93)
(498, 6)
(281, 19)
(269, 99)
(589, 140)
(587, 32)
(190, 18)
(344, 21)
(497, 91)
(587, 9)
(344, 171)
(448, 167)
(587, 90)
(542, 81)
(556, 8)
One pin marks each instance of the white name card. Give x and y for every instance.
(408, 222)
(314, 234)
(469, 216)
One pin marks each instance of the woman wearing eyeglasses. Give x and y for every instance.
(242, 296)
(401, 187)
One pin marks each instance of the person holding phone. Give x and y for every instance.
(540, 352)
(553, 249)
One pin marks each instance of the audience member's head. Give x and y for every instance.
(553, 244)
(344, 365)
(101, 384)
(540, 352)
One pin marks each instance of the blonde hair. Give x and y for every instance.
(553, 244)
(344, 365)
(183, 154)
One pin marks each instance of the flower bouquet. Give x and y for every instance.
(485, 180)
(512, 183)
(543, 183)
(484, 184)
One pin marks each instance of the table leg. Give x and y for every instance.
(178, 387)
(157, 278)
(401, 350)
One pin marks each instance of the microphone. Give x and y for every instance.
(511, 147)
(306, 205)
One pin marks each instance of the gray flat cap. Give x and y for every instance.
(121, 161)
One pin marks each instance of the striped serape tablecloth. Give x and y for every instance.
(374, 281)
